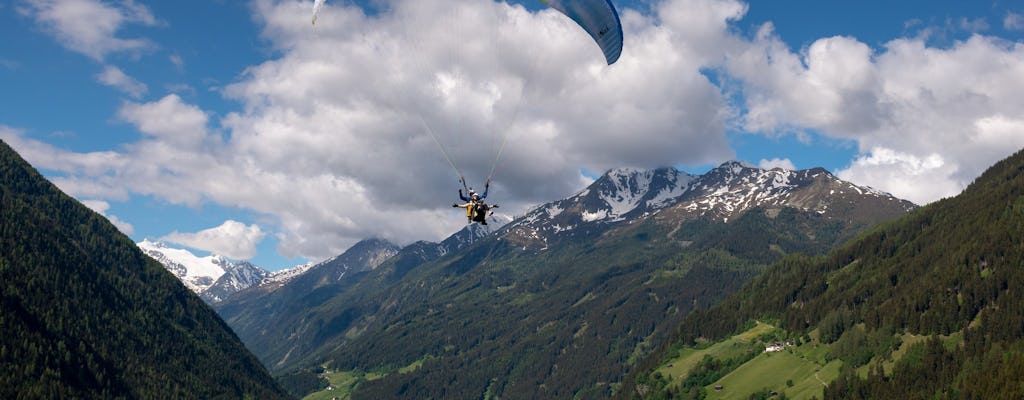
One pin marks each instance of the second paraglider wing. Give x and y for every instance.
(599, 19)
(317, 4)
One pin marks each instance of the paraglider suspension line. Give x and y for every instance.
(443, 151)
(505, 134)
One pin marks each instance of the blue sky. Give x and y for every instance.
(238, 128)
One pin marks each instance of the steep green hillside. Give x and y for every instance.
(929, 306)
(84, 314)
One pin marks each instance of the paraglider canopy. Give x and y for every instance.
(317, 5)
(599, 19)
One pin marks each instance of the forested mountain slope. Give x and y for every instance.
(952, 271)
(84, 314)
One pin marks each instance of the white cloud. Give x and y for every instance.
(231, 239)
(910, 99)
(90, 26)
(101, 207)
(113, 76)
(918, 179)
(170, 120)
(86, 174)
(338, 121)
(1000, 131)
(783, 163)
(829, 85)
(1013, 21)
(329, 146)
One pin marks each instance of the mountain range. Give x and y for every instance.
(621, 194)
(214, 277)
(557, 303)
(728, 191)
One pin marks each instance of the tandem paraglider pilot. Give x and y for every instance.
(476, 209)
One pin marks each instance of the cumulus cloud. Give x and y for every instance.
(231, 239)
(339, 136)
(829, 85)
(113, 76)
(85, 175)
(336, 139)
(927, 119)
(919, 179)
(355, 110)
(90, 27)
(783, 163)
(169, 120)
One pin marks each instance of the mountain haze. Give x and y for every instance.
(558, 303)
(85, 314)
(927, 306)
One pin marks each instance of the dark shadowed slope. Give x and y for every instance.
(84, 314)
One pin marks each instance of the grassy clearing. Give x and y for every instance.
(774, 371)
(908, 340)
(801, 372)
(343, 383)
(729, 348)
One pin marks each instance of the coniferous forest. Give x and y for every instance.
(952, 271)
(84, 314)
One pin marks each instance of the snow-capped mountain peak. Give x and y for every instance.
(285, 275)
(723, 193)
(212, 277)
(618, 194)
(198, 273)
(733, 188)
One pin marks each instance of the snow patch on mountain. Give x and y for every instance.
(668, 195)
(463, 238)
(627, 188)
(197, 273)
(285, 275)
(723, 194)
(212, 277)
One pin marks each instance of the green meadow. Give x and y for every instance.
(341, 384)
(800, 371)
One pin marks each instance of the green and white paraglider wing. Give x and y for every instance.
(317, 5)
(599, 19)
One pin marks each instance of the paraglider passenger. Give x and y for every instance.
(476, 209)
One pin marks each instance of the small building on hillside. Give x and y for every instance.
(777, 346)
